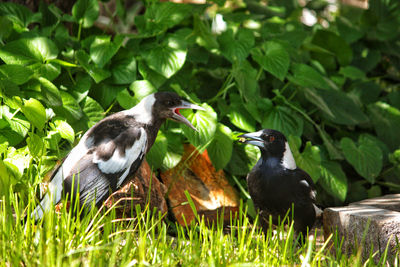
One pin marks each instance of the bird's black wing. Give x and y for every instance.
(304, 190)
(106, 166)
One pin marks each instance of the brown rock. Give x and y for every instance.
(208, 188)
(372, 227)
(387, 202)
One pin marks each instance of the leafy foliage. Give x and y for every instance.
(332, 90)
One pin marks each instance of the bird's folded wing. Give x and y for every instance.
(107, 166)
(306, 189)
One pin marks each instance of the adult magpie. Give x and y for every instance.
(112, 150)
(276, 184)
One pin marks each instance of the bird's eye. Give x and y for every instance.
(271, 139)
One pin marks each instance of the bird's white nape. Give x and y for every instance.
(288, 161)
(143, 110)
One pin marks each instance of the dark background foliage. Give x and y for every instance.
(332, 88)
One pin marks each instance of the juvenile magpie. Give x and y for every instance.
(276, 184)
(112, 150)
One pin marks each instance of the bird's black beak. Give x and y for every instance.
(252, 139)
(177, 116)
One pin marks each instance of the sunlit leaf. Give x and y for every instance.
(333, 179)
(220, 148)
(366, 157)
(86, 12)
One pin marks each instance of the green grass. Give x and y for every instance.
(99, 239)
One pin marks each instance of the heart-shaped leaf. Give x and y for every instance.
(28, 51)
(16, 73)
(65, 130)
(236, 47)
(123, 68)
(386, 121)
(86, 12)
(243, 159)
(333, 179)
(168, 57)
(103, 49)
(50, 92)
(309, 160)
(206, 124)
(306, 76)
(35, 112)
(156, 154)
(284, 120)
(220, 148)
(35, 144)
(274, 58)
(366, 157)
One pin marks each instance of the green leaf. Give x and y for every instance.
(307, 76)
(174, 152)
(96, 73)
(342, 108)
(18, 124)
(246, 79)
(142, 89)
(274, 58)
(18, 14)
(70, 108)
(92, 110)
(125, 100)
(206, 124)
(309, 160)
(352, 73)
(35, 112)
(27, 51)
(50, 92)
(168, 57)
(220, 148)
(160, 16)
(123, 68)
(236, 47)
(35, 145)
(366, 158)
(5, 179)
(151, 75)
(348, 30)
(33, 53)
(103, 49)
(333, 180)
(386, 121)
(335, 44)
(86, 12)
(6, 27)
(156, 154)
(65, 130)
(243, 159)
(284, 120)
(242, 119)
(205, 37)
(16, 73)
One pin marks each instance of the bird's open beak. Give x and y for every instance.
(177, 116)
(252, 139)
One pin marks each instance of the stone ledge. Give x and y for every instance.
(351, 223)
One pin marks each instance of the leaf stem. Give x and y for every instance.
(227, 85)
(80, 30)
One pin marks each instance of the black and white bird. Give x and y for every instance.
(276, 184)
(112, 150)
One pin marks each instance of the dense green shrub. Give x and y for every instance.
(332, 89)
